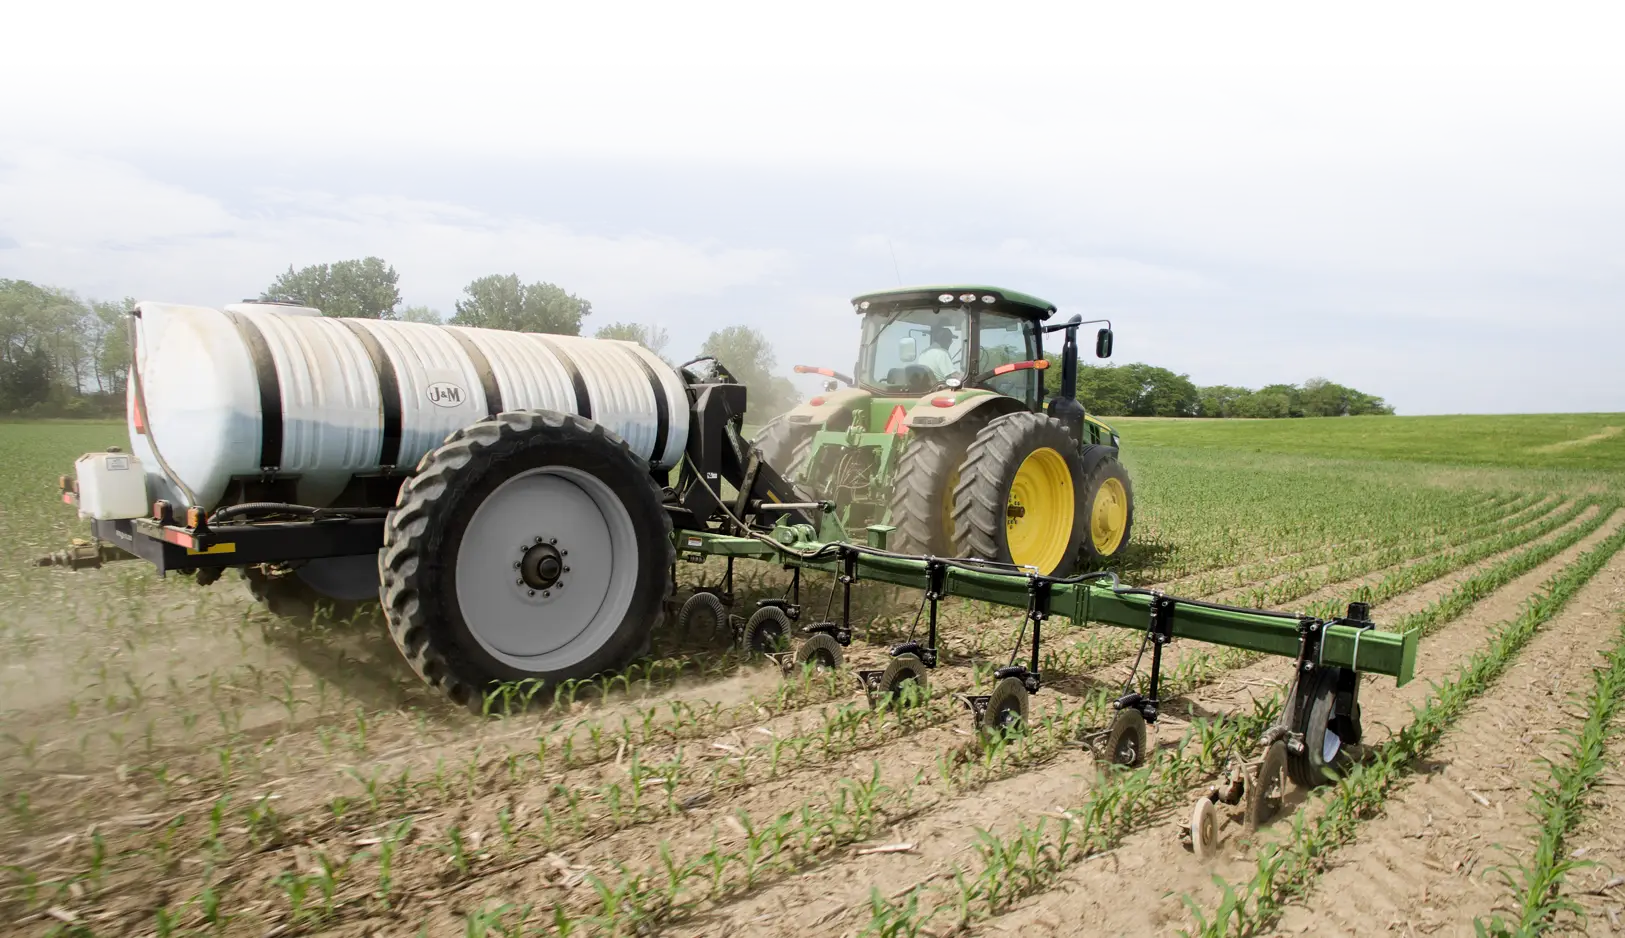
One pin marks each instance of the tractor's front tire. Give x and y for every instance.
(530, 547)
(923, 496)
(1108, 505)
(1017, 501)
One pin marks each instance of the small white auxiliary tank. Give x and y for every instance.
(112, 485)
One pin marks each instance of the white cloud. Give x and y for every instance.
(1354, 171)
(1251, 192)
(944, 261)
(105, 229)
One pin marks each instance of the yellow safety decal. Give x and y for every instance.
(226, 548)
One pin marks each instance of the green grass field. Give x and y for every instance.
(1535, 441)
(175, 760)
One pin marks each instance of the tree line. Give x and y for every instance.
(61, 355)
(1140, 390)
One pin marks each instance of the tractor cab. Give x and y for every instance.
(920, 340)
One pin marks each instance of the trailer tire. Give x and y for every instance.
(922, 500)
(1018, 500)
(526, 486)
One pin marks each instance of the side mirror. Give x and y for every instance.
(908, 349)
(1103, 344)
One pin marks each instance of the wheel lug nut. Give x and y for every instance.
(552, 540)
(566, 569)
(530, 592)
(519, 582)
(516, 565)
(546, 593)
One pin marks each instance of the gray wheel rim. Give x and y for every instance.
(536, 629)
(350, 579)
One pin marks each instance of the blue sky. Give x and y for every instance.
(1424, 203)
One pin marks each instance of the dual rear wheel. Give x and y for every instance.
(1015, 489)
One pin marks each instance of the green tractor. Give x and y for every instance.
(945, 434)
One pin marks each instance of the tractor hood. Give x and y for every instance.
(1106, 432)
(818, 410)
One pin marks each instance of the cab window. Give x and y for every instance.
(1003, 339)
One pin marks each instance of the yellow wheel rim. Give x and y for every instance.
(1109, 517)
(1039, 514)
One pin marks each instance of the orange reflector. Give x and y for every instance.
(1038, 365)
(179, 538)
(817, 401)
(943, 401)
(194, 517)
(894, 423)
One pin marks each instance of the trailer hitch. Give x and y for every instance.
(83, 555)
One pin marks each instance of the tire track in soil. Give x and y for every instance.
(833, 894)
(1092, 894)
(1428, 862)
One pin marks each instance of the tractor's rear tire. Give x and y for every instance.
(531, 546)
(1018, 500)
(922, 497)
(333, 588)
(782, 445)
(800, 462)
(1108, 505)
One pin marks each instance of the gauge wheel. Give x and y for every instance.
(901, 672)
(1006, 712)
(768, 631)
(701, 614)
(822, 651)
(1204, 828)
(1125, 742)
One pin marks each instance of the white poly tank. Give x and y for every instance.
(258, 391)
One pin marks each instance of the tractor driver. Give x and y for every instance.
(936, 357)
